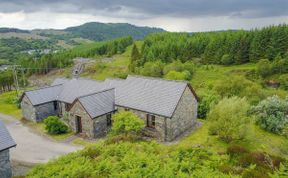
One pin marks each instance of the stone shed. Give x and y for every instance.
(6, 142)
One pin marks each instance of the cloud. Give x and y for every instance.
(175, 15)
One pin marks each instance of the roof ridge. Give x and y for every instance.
(43, 88)
(157, 78)
(95, 93)
(92, 80)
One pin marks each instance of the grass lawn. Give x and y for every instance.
(8, 104)
(256, 140)
(40, 127)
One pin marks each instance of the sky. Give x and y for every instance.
(171, 15)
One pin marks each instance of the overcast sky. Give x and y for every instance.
(172, 15)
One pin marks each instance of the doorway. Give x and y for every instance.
(78, 124)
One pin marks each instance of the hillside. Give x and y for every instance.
(107, 31)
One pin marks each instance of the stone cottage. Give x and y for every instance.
(168, 107)
(6, 142)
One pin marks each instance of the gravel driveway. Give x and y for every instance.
(31, 147)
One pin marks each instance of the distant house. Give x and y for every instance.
(6, 142)
(169, 108)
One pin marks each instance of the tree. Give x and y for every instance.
(284, 81)
(126, 122)
(264, 68)
(206, 102)
(226, 59)
(271, 114)
(153, 69)
(228, 118)
(135, 56)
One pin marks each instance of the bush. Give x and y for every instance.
(284, 81)
(54, 126)
(205, 104)
(120, 74)
(226, 59)
(271, 114)
(235, 150)
(264, 67)
(239, 86)
(126, 122)
(229, 118)
(153, 69)
(174, 75)
(174, 66)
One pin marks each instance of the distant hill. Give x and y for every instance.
(15, 30)
(106, 31)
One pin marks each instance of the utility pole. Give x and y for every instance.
(15, 80)
(23, 78)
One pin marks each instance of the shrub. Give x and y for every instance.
(239, 86)
(235, 150)
(229, 118)
(153, 69)
(226, 59)
(284, 81)
(126, 122)
(53, 125)
(205, 104)
(264, 67)
(120, 74)
(174, 75)
(271, 114)
(174, 66)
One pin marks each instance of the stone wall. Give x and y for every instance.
(184, 116)
(28, 110)
(5, 166)
(160, 123)
(92, 128)
(100, 126)
(45, 110)
(39, 112)
(87, 122)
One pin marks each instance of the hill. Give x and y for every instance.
(107, 31)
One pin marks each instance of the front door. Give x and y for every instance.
(78, 124)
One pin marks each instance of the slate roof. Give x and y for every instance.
(44, 95)
(6, 141)
(79, 87)
(99, 103)
(59, 81)
(152, 95)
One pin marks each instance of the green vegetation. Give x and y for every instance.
(229, 119)
(6, 81)
(233, 141)
(54, 126)
(126, 123)
(101, 31)
(227, 47)
(272, 115)
(9, 104)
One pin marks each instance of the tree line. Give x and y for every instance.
(225, 47)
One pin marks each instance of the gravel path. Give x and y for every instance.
(31, 147)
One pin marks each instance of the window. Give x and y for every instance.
(109, 120)
(126, 109)
(150, 121)
(55, 105)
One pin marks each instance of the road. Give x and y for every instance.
(31, 147)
